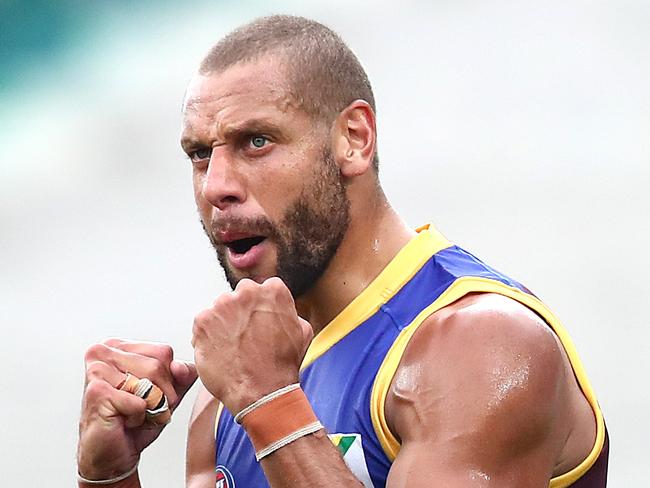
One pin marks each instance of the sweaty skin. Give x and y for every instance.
(471, 381)
(444, 414)
(465, 401)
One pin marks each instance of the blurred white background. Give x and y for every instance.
(522, 129)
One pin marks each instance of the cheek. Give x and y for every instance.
(197, 182)
(197, 185)
(275, 198)
(278, 185)
(202, 205)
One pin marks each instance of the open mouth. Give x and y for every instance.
(242, 246)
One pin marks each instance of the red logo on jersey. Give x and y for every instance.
(224, 478)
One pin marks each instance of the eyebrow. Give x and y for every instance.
(250, 126)
(234, 131)
(190, 143)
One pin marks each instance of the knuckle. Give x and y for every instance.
(96, 352)
(165, 353)
(156, 370)
(221, 301)
(245, 284)
(218, 302)
(96, 389)
(226, 303)
(276, 288)
(245, 292)
(199, 321)
(274, 283)
(112, 342)
(95, 370)
(199, 318)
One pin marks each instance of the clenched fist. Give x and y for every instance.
(250, 342)
(113, 430)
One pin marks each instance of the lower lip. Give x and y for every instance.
(250, 258)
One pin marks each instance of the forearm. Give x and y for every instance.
(248, 348)
(311, 461)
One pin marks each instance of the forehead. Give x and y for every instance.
(243, 91)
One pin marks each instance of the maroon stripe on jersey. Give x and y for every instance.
(596, 476)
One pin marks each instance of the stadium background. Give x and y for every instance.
(522, 129)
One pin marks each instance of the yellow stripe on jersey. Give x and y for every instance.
(459, 288)
(399, 271)
(217, 417)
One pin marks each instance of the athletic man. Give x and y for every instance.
(352, 351)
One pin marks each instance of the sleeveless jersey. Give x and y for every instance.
(350, 364)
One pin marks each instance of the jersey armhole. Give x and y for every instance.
(459, 288)
(386, 372)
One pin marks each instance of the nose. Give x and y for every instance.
(222, 185)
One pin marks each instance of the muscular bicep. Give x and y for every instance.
(475, 400)
(201, 442)
(423, 464)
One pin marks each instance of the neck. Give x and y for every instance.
(375, 235)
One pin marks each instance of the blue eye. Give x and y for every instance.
(259, 141)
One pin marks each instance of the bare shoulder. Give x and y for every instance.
(492, 319)
(489, 344)
(484, 379)
(201, 441)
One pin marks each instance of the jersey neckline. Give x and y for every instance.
(390, 280)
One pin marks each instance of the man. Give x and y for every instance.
(352, 351)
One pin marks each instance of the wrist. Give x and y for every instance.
(103, 454)
(246, 395)
(278, 419)
(115, 475)
(128, 479)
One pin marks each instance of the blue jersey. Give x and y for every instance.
(350, 364)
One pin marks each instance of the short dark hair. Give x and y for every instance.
(324, 74)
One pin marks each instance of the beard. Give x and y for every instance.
(308, 235)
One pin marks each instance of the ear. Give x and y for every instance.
(354, 138)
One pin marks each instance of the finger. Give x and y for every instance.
(185, 374)
(139, 365)
(131, 407)
(160, 351)
(246, 284)
(158, 408)
(277, 289)
(99, 370)
(156, 350)
(112, 405)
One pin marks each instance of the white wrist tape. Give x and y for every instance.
(264, 400)
(108, 481)
(306, 430)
